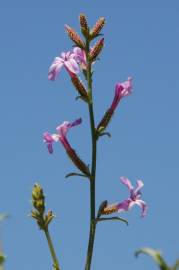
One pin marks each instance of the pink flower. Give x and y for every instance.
(68, 60)
(60, 136)
(121, 90)
(134, 198)
(127, 204)
(80, 57)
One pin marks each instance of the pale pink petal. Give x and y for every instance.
(140, 184)
(72, 66)
(63, 128)
(55, 68)
(63, 55)
(126, 182)
(127, 85)
(47, 137)
(143, 206)
(80, 56)
(55, 137)
(49, 141)
(67, 56)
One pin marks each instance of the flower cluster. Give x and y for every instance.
(73, 61)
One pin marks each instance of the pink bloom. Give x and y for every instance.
(127, 204)
(121, 90)
(134, 198)
(60, 136)
(80, 57)
(68, 61)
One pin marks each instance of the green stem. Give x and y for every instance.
(93, 166)
(52, 250)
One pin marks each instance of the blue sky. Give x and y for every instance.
(141, 40)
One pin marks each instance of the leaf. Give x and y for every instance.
(105, 134)
(75, 174)
(112, 218)
(156, 255)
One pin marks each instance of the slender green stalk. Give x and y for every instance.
(93, 166)
(52, 250)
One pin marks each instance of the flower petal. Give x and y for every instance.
(76, 122)
(140, 184)
(49, 139)
(55, 68)
(63, 128)
(143, 206)
(50, 148)
(127, 183)
(80, 56)
(72, 66)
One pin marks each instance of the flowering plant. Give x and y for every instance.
(82, 59)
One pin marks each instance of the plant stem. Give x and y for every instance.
(93, 166)
(52, 250)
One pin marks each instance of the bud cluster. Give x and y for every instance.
(38, 202)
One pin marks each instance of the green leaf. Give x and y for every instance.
(75, 174)
(156, 255)
(105, 134)
(112, 218)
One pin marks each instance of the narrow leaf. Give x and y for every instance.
(75, 174)
(156, 255)
(112, 218)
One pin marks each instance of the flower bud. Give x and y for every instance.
(109, 209)
(74, 37)
(48, 218)
(105, 121)
(80, 87)
(97, 28)
(84, 25)
(101, 208)
(95, 51)
(78, 162)
(38, 199)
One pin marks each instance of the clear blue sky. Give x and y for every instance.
(141, 40)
